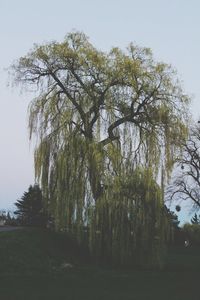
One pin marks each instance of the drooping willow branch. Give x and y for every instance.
(107, 123)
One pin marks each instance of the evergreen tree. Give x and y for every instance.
(30, 210)
(195, 219)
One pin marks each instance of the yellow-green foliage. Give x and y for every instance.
(107, 124)
(127, 226)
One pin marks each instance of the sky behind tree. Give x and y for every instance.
(169, 28)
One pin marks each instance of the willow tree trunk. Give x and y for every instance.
(94, 174)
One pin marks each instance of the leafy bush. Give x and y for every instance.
(192, 233)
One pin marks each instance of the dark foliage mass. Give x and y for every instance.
(30, 210)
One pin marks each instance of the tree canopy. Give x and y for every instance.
(108, 125)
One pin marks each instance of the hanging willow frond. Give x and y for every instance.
(106, 124)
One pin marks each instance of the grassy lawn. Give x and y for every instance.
(30, 268)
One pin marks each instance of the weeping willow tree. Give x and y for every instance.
(108, 127)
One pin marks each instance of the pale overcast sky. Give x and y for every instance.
(171, 28)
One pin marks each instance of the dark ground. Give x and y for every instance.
(31, 268)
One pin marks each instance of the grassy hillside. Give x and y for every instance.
(32, 267)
